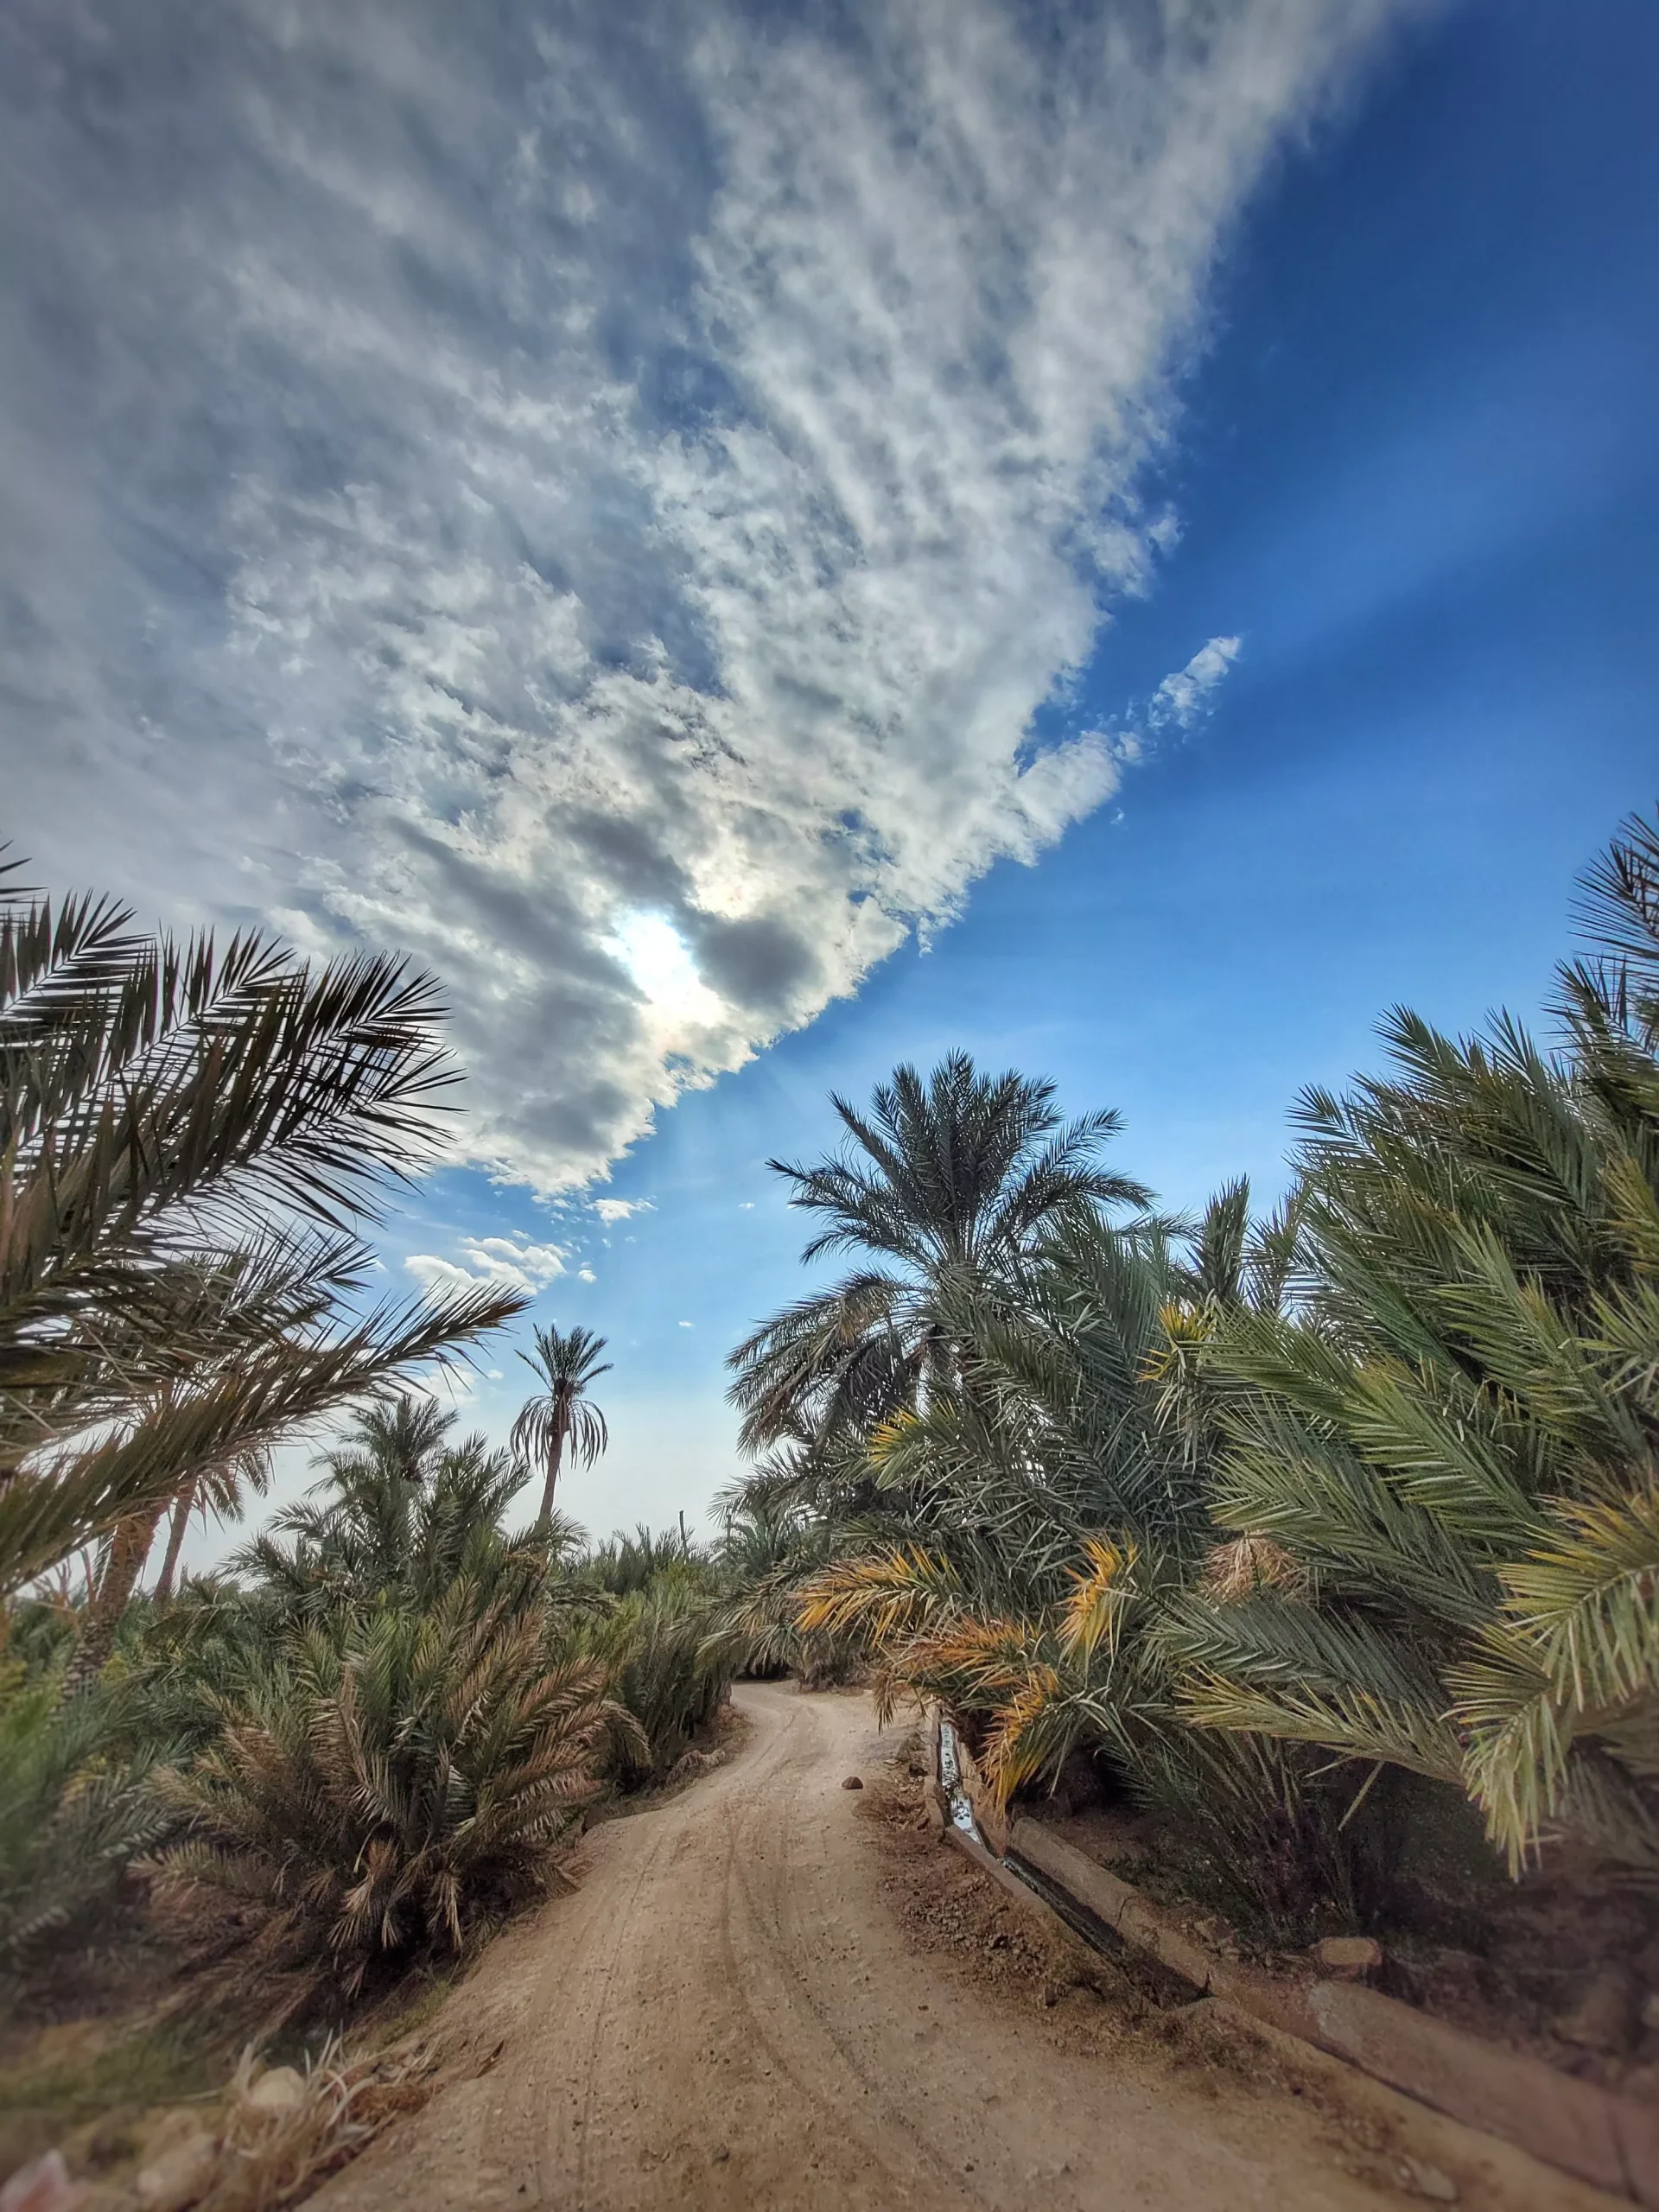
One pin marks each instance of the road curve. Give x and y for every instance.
(724, 2014)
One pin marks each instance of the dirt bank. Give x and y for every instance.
(774, 1992)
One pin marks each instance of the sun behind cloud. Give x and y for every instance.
(602, 507)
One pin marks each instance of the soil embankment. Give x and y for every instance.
(772, 1992)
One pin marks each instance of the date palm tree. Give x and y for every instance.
(221, 1494)
(954, 1178)
(1457, 1441)
(192, 1139)
(563, 1415)
(403, 1511)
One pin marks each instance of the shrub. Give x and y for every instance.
(393, 1784)
(71, 1815)
(653, 1647)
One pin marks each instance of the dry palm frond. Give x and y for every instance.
(1248, 1564)
(394, 1786)
(274, 2152)
(879, 1595)
(1094, 1609)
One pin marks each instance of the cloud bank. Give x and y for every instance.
(597, 497)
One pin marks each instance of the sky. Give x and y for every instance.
(760, 542)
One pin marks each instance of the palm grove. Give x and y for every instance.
(1291, 1526)
(1298, 1525)
(369, 1733)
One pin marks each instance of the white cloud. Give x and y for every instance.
(436, 1274)
(512, 1262)
(1184, 698)
(688, 1324)
(513, 1259)
(586, 1275)
(611, 1210)
(601, 511)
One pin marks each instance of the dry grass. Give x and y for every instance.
(267, 2158)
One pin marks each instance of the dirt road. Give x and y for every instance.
(733, 2011)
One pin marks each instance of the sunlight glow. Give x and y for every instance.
(658, 958)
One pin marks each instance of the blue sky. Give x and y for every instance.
(777, 541)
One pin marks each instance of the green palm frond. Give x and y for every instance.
(191, 1138)
(393, 1785)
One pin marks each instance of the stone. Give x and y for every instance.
(852, 1782)
(43, 2185)
(1606, 2017)
(1349, 1955)
(1424, 2180)
(178, 2176)
(282, 2090)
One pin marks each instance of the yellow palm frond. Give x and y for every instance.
(1185, 1329)
(1013, 1753)
(1090, 1615)
(889, 1437)
(879, 1596)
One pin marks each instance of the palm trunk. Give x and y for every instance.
(556, 1453)
(181, 1512)
(128, 1549)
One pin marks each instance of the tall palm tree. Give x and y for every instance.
(220, 1494)
(191, 1139)
(1457, 1441)
(955, 1178)
(563, 1415)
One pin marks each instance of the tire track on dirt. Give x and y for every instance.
(727, 2016)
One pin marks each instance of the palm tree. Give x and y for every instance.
(403, 1511)
(958, 1177)
(1457, 1441)
(220, 1494)
(190, 1141)
(563, 1415)
(384, 1792)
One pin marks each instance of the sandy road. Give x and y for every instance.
(726, 2014)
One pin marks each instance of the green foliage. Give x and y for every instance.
(625, 1564)
(1457, 1439)
(392, 1782)
(773, 1545)
(953, 1178)
(188, 1139)
(73, 1812)
(652, 1646)
(402, 1511)
(1375, 1478)
(1009, 1537)
(392, 1716)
